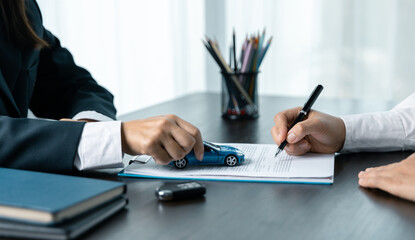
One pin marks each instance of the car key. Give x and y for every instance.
(180, 191)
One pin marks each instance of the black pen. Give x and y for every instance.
(307, 106)
(235, 65)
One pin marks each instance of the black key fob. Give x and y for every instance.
(180, 191)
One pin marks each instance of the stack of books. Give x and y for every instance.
(39, 205)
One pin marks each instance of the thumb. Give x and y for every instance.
(304, 128)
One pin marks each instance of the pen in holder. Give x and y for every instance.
(236, 89)
(239, 82)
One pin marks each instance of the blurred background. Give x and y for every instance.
(146, 52)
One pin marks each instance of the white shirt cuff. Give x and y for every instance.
(100, 146)
(92, 115)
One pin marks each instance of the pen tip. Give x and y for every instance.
(278, 151)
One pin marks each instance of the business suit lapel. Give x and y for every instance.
(8, 106)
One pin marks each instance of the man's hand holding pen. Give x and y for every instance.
(319, 132)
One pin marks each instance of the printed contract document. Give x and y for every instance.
(259, 165)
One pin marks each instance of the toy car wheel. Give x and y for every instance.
(231, 160)
(180, 164)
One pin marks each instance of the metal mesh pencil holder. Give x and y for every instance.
(240, 95)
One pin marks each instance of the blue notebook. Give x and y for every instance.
(48, 199)
(68, 229)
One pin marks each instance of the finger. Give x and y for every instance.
(278, 138)
(194, 131)
(370, 181)
(160, 155)
(389, 181)
(386, 168)
(304, 128)
(379, 169)
(386, 184)
(364, 182)
(283, 121)
(299, 148)
(175, 150)
(364, 174)
(375, 178)
(287, 117)
(183, 138)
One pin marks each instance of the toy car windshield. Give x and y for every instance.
(214, 146)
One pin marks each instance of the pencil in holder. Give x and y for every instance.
(239, 95)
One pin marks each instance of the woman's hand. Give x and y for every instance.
(165, 138)
(319, 132)
(396, 178)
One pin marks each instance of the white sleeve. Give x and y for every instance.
(100, 146)
(91, 115)
(383, 131)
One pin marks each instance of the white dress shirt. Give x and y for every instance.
(100, 143)
(393, 130)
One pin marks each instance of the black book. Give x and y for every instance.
(66, 230)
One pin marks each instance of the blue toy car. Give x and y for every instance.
(214, 154)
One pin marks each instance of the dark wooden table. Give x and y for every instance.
(237, 210)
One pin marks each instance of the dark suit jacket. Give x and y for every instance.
(52, 86)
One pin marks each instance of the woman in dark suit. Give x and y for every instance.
(37, 73)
